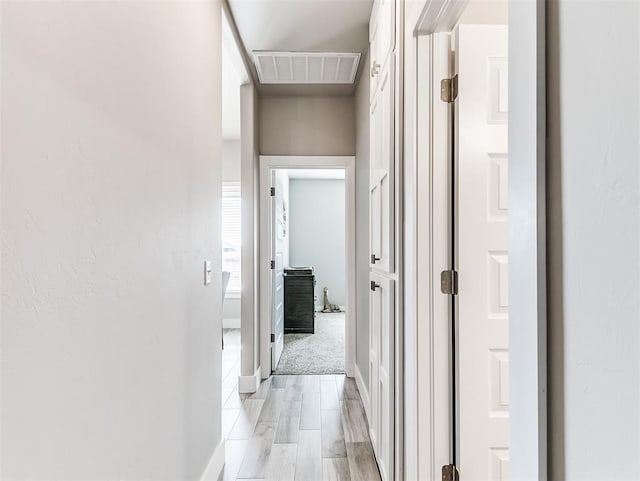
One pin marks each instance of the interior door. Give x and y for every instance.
(482, 258)
(278, 233)
(381, 380)
(381, 186)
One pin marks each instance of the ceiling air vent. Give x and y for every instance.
(306, 67)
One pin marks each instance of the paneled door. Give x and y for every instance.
(278, 228)
(381, 186)
(482, 258)
(381, 355)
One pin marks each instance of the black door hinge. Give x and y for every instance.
(273, 264)
(273, 338)
(450, 473)
(273, 191)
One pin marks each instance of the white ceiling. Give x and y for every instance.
(303, 26)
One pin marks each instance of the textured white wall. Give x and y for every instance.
(594, 262)
(307, 126)
(317, 233)
(110, 204)
(362, 224)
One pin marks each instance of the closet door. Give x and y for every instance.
(381, 186)
(381, 39)
(381, 354)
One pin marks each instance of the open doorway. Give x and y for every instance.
(310, 295)
(307, 287)
(462, 98)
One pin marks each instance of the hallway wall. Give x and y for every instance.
(109, 207)
(307, 126)
(594, 240)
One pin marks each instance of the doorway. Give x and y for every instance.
(307, 294)
(462, 91)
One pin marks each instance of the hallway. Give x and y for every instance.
(297, 427)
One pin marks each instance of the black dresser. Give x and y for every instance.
(299, 300)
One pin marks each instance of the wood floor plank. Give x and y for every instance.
(295, 388)
(233, 455)
(332, 434)
(347, 388)
(229, 418)
(329, 393)
(310, 413)
(362, 463)
(311, 383)
(279, 382)
(258, 452)
(263, 390)
(282, 464)
(336, 469)
(308, 459)
(288, 423)
(354, 423)
(272, 406)
(246, 423)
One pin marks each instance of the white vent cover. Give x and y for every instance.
(306, 67)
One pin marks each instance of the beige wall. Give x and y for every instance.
(110, 359)
(307, 126)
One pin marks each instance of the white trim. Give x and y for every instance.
(364, 392)
(216, 464)
(249, 384)
(231, 323)
(268, 163)
(527, 241)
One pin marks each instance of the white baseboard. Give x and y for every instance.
(231, 323)
(216, 464)
(364, 392)
(249, 384)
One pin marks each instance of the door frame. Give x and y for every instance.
(267, 164)
(527, 237)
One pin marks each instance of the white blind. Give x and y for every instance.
(231, 234)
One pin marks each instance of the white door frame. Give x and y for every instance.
(268, 163)
(527, 236)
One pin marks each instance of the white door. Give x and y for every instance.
(278, 233)
(381, 355)
(482, 257)
(381, 186)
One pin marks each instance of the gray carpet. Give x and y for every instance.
(319, 353)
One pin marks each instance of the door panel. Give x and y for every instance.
(381, 373)
(278, 229)
(381, 185)
(482, 251)
(381, 39)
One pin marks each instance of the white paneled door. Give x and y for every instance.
(381, 186)
(481, 163)
(381, 354)
(278, 227)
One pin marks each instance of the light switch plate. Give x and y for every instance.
(207, 273)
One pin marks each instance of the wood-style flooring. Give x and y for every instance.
(294, 428)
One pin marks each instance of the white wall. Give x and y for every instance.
(362, 225)
(307, 126)
(317, 228)
(593, 206)
(110, 205)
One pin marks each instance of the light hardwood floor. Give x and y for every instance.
(295, 428)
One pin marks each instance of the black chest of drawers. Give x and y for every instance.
(299, 300)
